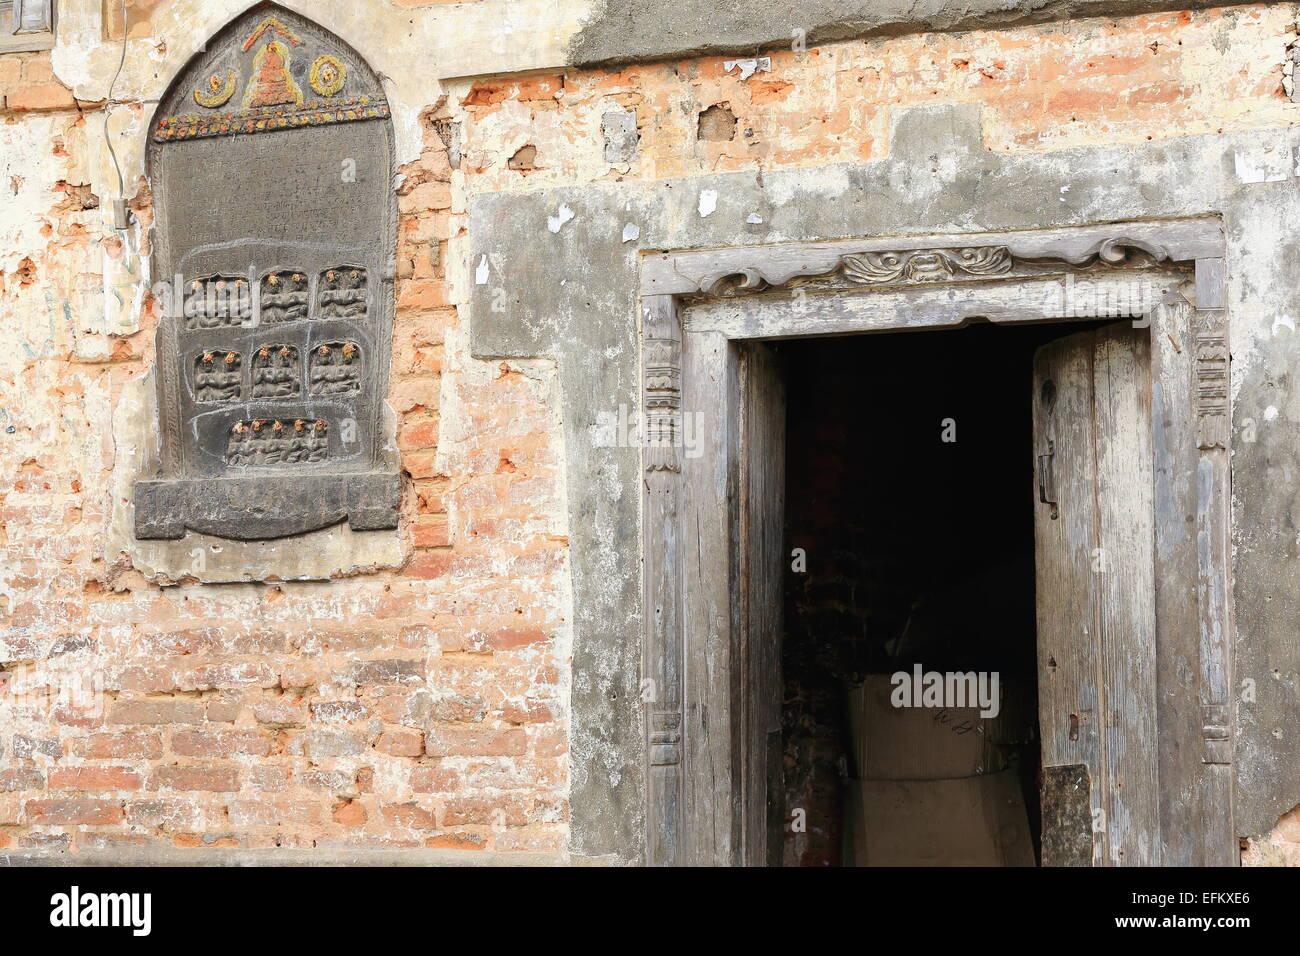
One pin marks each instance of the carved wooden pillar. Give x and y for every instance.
(661, 344)
(1213, 496)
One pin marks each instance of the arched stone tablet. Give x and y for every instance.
(271, 163)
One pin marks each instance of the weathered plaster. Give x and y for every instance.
(571, 295)
(411, 47)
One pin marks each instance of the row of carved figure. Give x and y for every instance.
(274, 441)
(284, 296)
(334, 369)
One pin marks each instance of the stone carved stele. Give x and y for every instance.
(271, 162)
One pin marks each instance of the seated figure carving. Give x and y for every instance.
(343, 294)
(276, 372)
(284, 298)
(218, 376)
(335, 369)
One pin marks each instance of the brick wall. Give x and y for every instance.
(417, 708)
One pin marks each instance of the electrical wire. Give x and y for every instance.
(108, 139)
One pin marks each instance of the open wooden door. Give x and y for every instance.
(1095, 555)
(762, 564)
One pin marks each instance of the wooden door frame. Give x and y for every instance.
(699, 311)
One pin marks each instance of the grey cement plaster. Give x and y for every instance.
(328, 553)
(571, 295)
(626, 30)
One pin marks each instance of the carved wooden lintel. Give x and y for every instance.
(935, 265)
(744, 270)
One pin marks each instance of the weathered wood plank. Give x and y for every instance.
(710, 799)
(794, 315)
(1178, 715)
(1065, 540)
(1126, 588)
(1096, 581)
(761, 558)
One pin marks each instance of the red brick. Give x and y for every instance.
(27, 748)
(408, 815)
(156, 712)
(22, 778)
(434, 780)
(339, 711)
(475, 742)
(349, 813)
(41, 96)
(146, 746)
(430, 564)
(415, 395)
(94, 778)
(401, 742)
(223, 676)
(419, 434)
(270, 779)
(214, 779)
(456, 841)
(420, 464)
(541, 88)
(387, 671)
(281, 711)
(153, 679)
(431, 195)
(514, 637)
(224, 743)
(488, 811)
(225, 711)
(422, 295)
(73, 812)
(261, 813)
(431, 533)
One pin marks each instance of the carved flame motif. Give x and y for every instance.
(931, 265)
(270, 25)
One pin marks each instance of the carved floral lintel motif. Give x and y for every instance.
(926, 265)
(922, 266)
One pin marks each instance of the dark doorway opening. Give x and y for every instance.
(910, 486)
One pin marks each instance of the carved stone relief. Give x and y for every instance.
(271, 158)
(218, 376)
